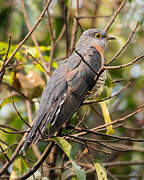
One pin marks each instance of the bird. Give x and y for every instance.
(70, 84)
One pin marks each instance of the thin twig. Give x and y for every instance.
(16, 132)
(139, 109)
(4, 63)
(91, 147)
(59, 58)
(97, 142)
(10, 147)
(79, 24)
(29, 33)
(124, 65)
(117, 93)
(114, 16)
(62, 167)
(15, 154)
(105, 135)
(113, 177)
(64, 28)
(8, 127)
(38, 62)
(32, 35)
(3, 142)
(118, 80)
(90, 17)
(75, 26)
(124, 46)
(38, 163)
(52, 38)
(125, 163)
(4, 153)
(133, 128)
(20, 114)
(16, 90)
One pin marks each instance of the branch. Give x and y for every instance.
(117, 93)
(98, 142)
(4, 153)
(139, 109)
(38, 63)
(125, 163)
(33, 35)
(124, 46)
(91, 147)
(4, 63)
(16, 90)
(104, 135)
(64, 28)
(124, 65)
(118, 163)
(91, 17)
(79, 24)
(114, 16)
(20, 114)
(52, 37)
(16, 132)
(15, 154)
(38, 163)
(29, 33)
(75, 26)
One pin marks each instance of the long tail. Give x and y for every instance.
(29, 137)
(36, 131)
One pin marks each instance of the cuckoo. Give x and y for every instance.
(70, 84)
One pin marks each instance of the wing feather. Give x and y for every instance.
(64, 93)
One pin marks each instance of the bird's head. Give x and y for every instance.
(94, 37)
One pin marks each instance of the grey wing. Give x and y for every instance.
(80, 80)
(50, 105)
(64, 93)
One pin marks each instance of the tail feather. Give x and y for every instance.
(29, 137)
(36, 131)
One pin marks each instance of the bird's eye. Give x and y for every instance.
(97, 35)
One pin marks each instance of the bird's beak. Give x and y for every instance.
(110, 38)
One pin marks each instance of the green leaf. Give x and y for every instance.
(24, 49)
(19, 168)
(101, 172)
(108, 81)
(67, 148)
(5, 101)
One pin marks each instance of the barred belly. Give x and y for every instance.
(99, 84)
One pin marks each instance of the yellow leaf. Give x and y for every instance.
(101, 173)
(107, 118)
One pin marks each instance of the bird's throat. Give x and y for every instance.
(99, 49)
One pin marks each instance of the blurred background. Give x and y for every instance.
(52, 41)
